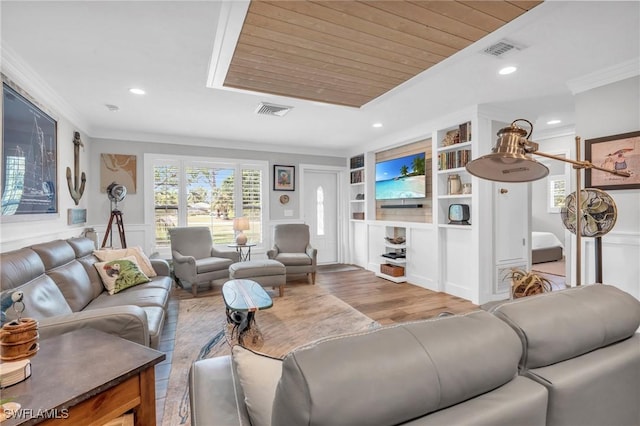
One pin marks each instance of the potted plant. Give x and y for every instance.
(525, 283)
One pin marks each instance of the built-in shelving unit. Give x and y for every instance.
(465, 260)
(357, 192)
(393, 259)
(453, 152)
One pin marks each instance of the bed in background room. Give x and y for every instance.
(545, 247)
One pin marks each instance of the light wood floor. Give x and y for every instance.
(388, 302)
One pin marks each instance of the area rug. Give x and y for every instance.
(306, 313)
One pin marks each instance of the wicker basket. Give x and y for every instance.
(392, 270)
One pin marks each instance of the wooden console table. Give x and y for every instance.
(87, 377)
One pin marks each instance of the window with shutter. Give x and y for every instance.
(197, 192)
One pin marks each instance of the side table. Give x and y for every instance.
(87, 377)
(244, 250)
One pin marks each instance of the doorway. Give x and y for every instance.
(320, 208)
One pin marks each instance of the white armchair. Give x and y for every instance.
(292, 249)
(195, 260)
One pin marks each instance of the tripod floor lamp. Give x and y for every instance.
(116, 193)
(511, 161)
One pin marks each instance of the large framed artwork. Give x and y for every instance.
(616, 152)
(29, 158)
(284, 178)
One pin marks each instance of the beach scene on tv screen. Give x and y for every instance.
(402, 177)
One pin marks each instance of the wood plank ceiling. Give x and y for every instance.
(350, 52)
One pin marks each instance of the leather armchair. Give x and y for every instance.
(195, 260)
(292, 249)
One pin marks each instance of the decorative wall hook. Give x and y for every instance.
(76, 193)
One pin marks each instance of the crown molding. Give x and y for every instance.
(605, 76)
(16, 69)
(556, 132)
(242, 145)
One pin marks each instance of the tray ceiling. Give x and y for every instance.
(351, 52)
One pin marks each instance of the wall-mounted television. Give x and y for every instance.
(401, 178)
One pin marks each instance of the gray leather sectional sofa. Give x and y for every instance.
(64, 292)
(564, 358)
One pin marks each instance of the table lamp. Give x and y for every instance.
(241, 224)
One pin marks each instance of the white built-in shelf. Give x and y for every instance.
(455, 147)
(392, 279)
(456, 170)
(400, 261)
(357, 184)
(455, 196)
(357, 201)
(461, 227)
(395, 246)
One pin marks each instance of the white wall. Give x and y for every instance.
(605, 111)
(133, 203)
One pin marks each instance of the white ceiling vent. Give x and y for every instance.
(273, 109)
(503, 48)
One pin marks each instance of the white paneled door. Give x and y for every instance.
(320, 210)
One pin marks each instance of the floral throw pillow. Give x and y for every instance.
(120, 274)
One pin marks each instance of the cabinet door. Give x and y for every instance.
(511, 207)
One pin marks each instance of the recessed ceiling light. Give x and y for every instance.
(507, 70)
(377, 125)
(137, 91)
(554, 121)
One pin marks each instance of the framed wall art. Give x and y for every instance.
(284, 178)
(119, 168)
(616, 152)
(76, 216)
(29, 157)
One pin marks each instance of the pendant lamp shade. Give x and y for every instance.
(510, 160)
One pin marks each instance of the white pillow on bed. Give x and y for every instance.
(540, 240)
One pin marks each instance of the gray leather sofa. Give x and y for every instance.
(564, 358)
(582, 345)
(64, 292)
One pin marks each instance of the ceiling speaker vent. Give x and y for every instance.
(272, 109)
(503, 48)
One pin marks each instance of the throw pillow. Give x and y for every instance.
(120, 274)
(259, 376)
(105, 255)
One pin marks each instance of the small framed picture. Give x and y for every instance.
(284, 178)
(617, 152)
